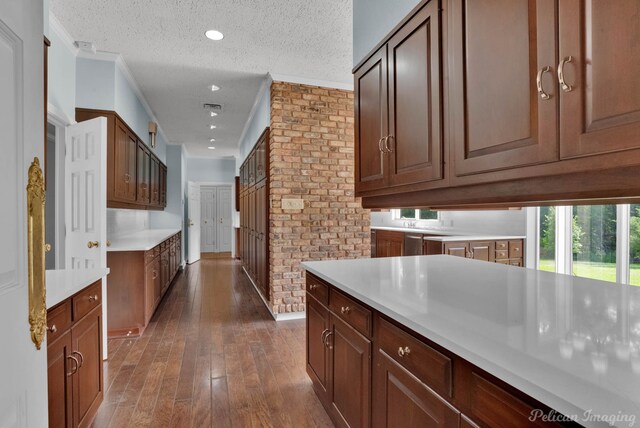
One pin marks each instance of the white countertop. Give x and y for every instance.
(472, 238)
(571, 343)
(143, 240)
(446, 236)
(64, 283)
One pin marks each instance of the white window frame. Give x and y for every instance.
(395, 215)
(564, 255)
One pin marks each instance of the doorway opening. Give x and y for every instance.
(215, 221)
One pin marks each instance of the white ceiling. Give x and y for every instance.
(163, 44)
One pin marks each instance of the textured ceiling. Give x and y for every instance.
(163, 44)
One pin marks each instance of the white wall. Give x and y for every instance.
(373, 19)
(499, 222)
(211, 170)
(95, 83)
(258, 120)
(122, 222)
(62, 76)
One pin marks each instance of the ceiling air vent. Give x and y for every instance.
(213, 107)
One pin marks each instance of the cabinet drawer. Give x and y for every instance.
(502, 245)
(503, 261)
(502, 254)
(86, 300)
(515, 262)
(58, 320)
(424, 362)
(318, 289)
(353, 313)
(515, 249)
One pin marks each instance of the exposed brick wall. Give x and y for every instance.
(312, 157)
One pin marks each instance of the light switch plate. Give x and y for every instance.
(292, 204)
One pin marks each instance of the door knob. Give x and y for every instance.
(190, 223)
(47, 248)
(108, 243)
(93, 244)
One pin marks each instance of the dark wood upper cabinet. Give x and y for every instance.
(135, 176)
(499, 118)
(125, 178)
(261, 156)
(414, 143)
(399, 110)
(600, 62)
(144, 160)
(371, 122)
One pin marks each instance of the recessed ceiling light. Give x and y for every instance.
(212, 127)
(212, 140)
(214, 35)
(214, 114)
(215, 88)
(211, 148)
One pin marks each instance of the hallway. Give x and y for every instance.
(212, 356)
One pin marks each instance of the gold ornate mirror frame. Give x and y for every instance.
(36, 253)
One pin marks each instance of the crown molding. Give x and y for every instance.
(62, 33)
(266, 83)
(312, 82)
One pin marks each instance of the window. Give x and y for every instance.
(595, 241)
(415, 214)
(547, 249)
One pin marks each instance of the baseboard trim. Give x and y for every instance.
(276, 317)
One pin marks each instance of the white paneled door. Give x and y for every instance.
(85, 175)
(193, 222)
(215, 219)
(23, 369)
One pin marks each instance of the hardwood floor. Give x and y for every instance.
(211, 356)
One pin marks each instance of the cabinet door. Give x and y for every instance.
(59, 367)
(261, 159)
(499, 120)
(154, 198)
(371, 121)
(122, 178)
(132, 167)
(163, 186)
(152, 291)
(317, 352)
(600, 106)
(87, 382)
(374, 244)
(143, 160)
(415, 144)
(252, 168)
(413, 244)
(458, 249)
(482, 250)
(350, 375)
(402, 401)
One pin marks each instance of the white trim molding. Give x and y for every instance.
(62, 33)
(312, 82)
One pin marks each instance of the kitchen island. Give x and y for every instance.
(448, 341)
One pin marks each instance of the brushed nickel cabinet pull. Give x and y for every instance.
(543, 94)
(380, 145)
(563, 84)
(93, 298)
(323, 336)
(345, 309)
(403, 351)
(81, 358)
(386, 143)
(75, 369)
(53, 329)
(326, 340)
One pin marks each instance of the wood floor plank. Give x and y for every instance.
(212, 357)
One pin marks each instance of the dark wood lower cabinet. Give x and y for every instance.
(403, 401)
(389, 243)
(349, 374)
(137, 283)
(74, 355)
(406, 381)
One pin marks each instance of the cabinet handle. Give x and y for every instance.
(155, 275)
(403, 351)
(93, 298)
(75, 369)
(345, 309)
(386, 143)
(326, 340)
(563, 84)
(471, 253)
(543, 94)
(313, 286)
(380, 145)
(323, 336)
(127, 178)
(53, 329)
(81, 358)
